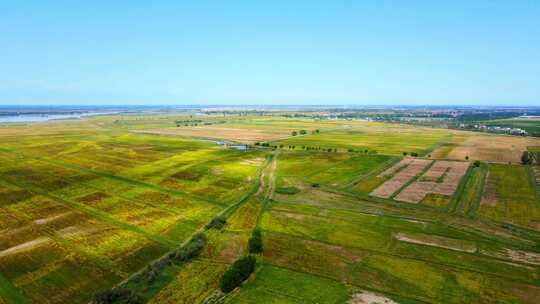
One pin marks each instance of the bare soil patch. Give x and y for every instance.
(25, 246)
(526, 257)
(247, 136)
(450, 171)
(396, 167)
(489, 198)
(253, 162)
(366, 297)
(49, 219)
(495, 148)
(401, 178)
(437, 241)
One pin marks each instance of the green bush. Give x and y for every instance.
(255, 242)
(287, 190)
(237, 273)
(191, 250)
(118, 296)
(217, 223)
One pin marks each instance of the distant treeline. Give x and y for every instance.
(469, 117)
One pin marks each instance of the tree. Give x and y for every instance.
(303, 132)
(255, 242)
(217, 223)
(237, 273)
(467, 157)
(404, 153)
(476, 163)
(118, 295)
(526, 158)
(294, 133)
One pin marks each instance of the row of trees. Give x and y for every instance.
(304, 132)
(243, 267)
(413, 154)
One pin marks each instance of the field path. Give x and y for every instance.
(268, 179)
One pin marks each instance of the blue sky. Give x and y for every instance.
(270, 52)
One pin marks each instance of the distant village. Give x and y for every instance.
(494, 129)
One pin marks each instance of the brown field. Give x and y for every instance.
(392, 170)
(450, 171)
(487, 147)
(401, 178)
(241, 135)
(489, 197)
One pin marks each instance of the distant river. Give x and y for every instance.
(46, 117)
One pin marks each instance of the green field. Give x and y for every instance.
(88, 206)
(516, 196)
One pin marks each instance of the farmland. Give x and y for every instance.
(348, 211)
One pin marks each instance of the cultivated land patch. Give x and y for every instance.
(387, 139)
(222, 132)
(399, 180)
(86, 205)
(442, 178)
(487, 147)
(510, 195)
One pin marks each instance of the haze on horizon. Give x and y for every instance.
(236, 52)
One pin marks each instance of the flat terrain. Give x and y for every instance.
(90, 204)
(486, 147)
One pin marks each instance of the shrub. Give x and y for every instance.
(526, 158)
(315, 185)
(414, 154)
(237, 273)
(303, 132)
(216, 223)
(255, 242)
(287, 190)
(294, 133)
(118, 295)
(404, 153)
(192, 249)
(476, 163)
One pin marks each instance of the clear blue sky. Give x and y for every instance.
(270, 52)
